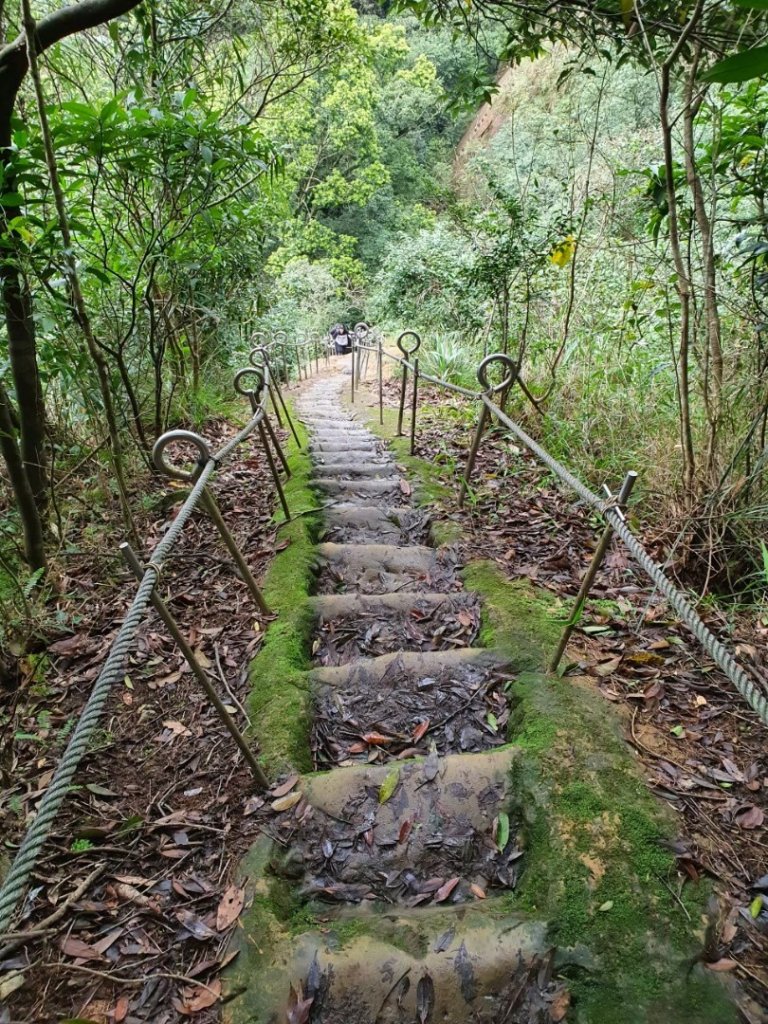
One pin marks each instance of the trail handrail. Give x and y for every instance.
(609, 509)
(112, 672)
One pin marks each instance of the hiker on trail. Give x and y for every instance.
(340, 335)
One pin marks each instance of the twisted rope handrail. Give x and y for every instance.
(31, 845)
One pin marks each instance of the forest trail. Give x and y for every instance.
(414, 846)
(386, 884)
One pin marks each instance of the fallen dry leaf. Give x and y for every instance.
(230, 907)
(286, 802)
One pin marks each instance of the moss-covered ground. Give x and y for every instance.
(279, 701)
(598, 862)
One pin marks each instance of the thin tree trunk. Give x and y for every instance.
(31, 523)
(22, 353)
(713, 397)
(79, 310)
(683, 285)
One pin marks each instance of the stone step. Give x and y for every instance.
(460, 965)
(346, 488)
(367, 446)
(384, 568)
(353, 470)
(350, 848)
(418, 664)
(362, 523)
(350, 626)
(340, 458)
(454, 699)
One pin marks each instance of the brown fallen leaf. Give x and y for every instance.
(377, 738)
(298, 1007)
(177, 727)
(285, 787)
(120, 1012)
(420, 729)
(80, 950)
(286, 802)
(445, 890)
(230, 907)
(607, 668)
(723, 965)
(405, 487)
(750, 816)
(477, 891)
(559, 1005)
(198, 997)
(405, 831)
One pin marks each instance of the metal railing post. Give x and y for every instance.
(265, 430)
(404, 383)
(197, 670)
(473, 450)
(209, 504)
(589, 577)
(510, 375)
(414, 402)
(353, 344)
(381, 383)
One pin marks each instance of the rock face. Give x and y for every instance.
(382, 893)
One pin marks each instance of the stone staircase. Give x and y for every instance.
(395, 865)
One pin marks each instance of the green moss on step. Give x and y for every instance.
(279, 700)
(599, 867)
(427, 478)
(519, 620)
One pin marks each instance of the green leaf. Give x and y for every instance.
(389, 785)
(756, 906)
(740, 67)
(752, 5)
(502, 837)
(677, 730)
(492, 721)
(604, 907)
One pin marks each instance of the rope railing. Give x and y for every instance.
(265, 388)
(611, 509)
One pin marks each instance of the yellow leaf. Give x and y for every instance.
(562, 252)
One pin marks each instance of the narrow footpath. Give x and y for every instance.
(401, 854)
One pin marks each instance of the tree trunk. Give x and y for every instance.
(31, 524)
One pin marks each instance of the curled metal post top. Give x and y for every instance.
(510, 370)
(362, 330)
(249, 371)
(259, 337)
(175, 472)
(402, 346)
(279, 336)
(259, 352)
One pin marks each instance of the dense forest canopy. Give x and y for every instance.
(176, 175)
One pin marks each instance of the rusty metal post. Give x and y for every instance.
(276, 445)
(589, 577)
(210, 506)
(381, 383)
(198, 671)
(414, 403)
(477, 437)
(274, 471)
(404, 384)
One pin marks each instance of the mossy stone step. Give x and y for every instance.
(347, 489)
(326, 607)
(354, 470)
(384, 568)
(352, 522)
(366, 672)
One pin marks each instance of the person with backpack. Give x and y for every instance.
(341, 339)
